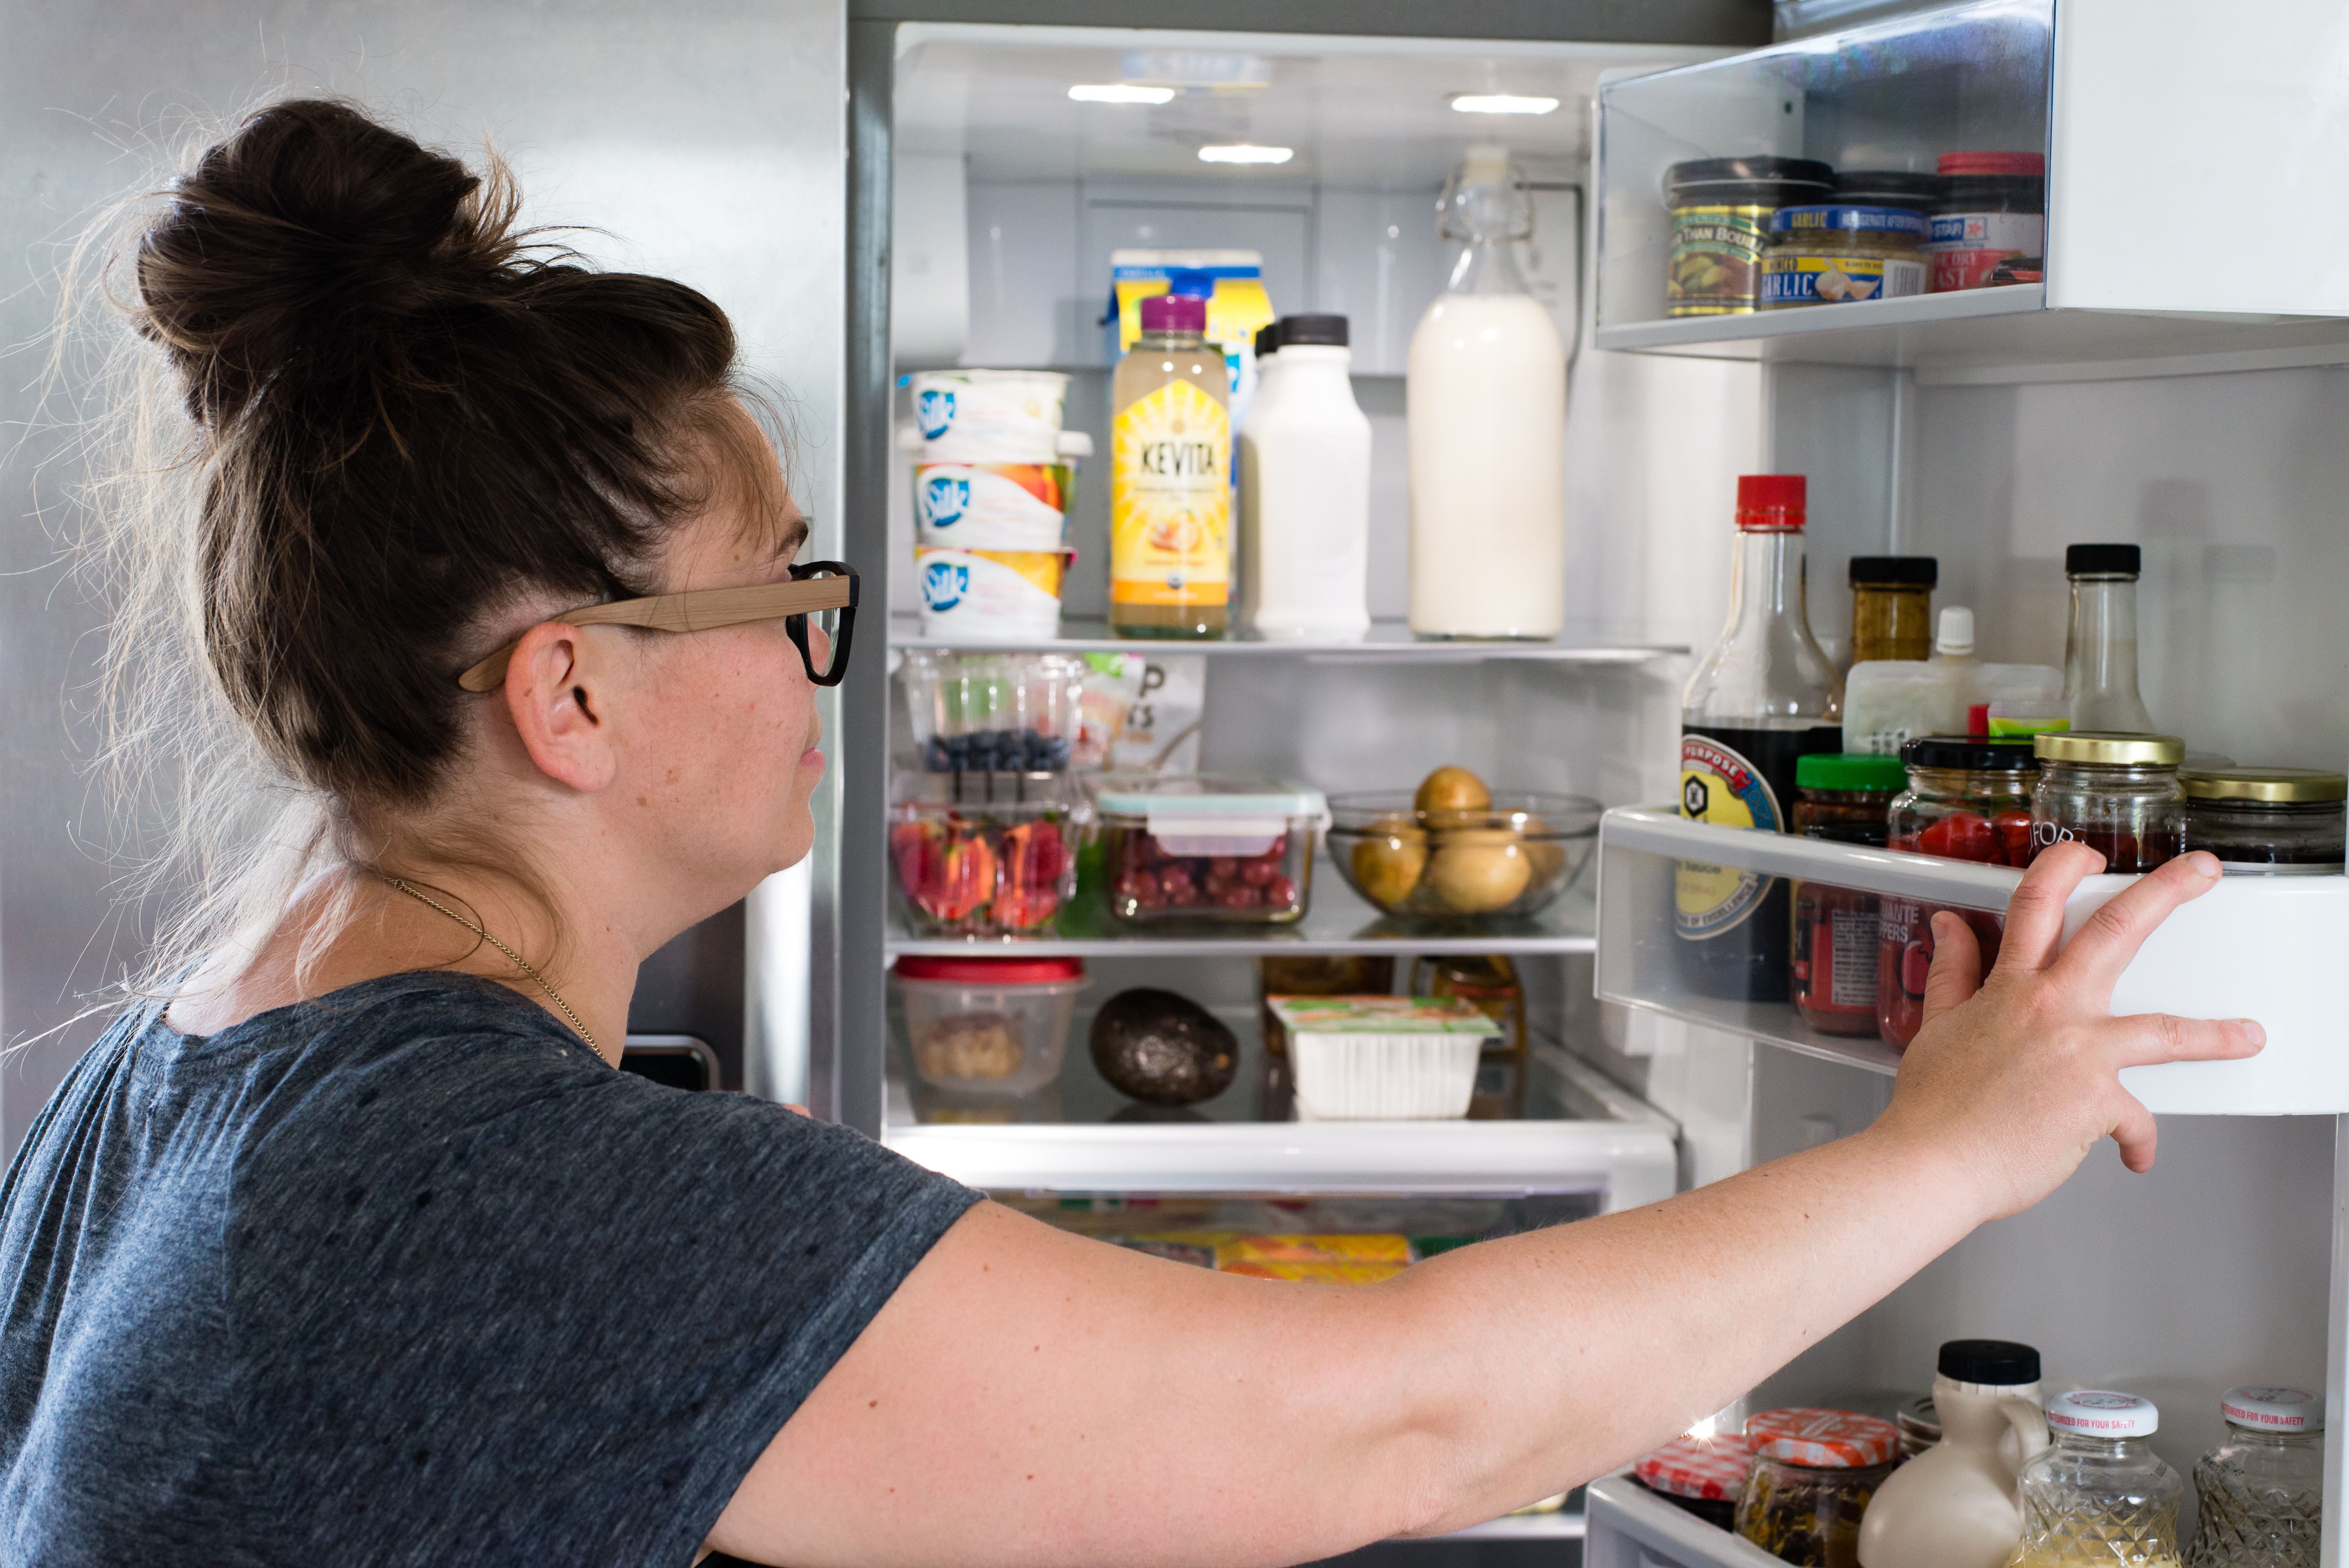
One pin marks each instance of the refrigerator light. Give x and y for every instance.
(1121, 92)
(1502, 103)
(1244, 153)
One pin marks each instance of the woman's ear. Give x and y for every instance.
(556, 691)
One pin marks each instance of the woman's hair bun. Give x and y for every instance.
(294, 233)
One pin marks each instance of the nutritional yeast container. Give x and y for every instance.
(2267, 821)
(2118, 794)
(1187, 847)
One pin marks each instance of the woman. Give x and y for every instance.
(350, 1246)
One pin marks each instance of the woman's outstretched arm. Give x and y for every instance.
(1035, 1398)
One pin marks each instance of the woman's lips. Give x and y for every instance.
(812, 758)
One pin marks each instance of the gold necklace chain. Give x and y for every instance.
(519, 961)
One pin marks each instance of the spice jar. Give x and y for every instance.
(1814, 1473)
(2098, 1491)
(1841, 255)
(1993, 209)
(1892, 606)
(1703, 1476)
(1968, 800)
(2266, 822)
(2118, 794)
(1721, 211)
(1843, 797)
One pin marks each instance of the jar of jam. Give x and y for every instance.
(1843, 797)
(1969, 798)
(2118, 794)
(2266, 822)
(1814, 1473)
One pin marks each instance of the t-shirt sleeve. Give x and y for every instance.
(561, 1330)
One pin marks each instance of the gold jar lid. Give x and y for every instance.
(2266, 784)
(2109, 748)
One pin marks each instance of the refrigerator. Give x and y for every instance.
(2168, 381)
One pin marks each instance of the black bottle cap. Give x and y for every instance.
(1267, 339)
(1970, 754)
(2102, 559)
(1907, 571)
(2001, 1363)
(1317, 330)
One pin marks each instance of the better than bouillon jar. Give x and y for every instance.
(2267, 821)
(1843, 797)
(2118, 794)
(1721, 210)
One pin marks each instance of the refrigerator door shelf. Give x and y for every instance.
(1628, 1526)
(2254, 947)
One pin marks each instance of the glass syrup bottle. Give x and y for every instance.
(1766, 694)
(2262, 1491)
(2098, 1492)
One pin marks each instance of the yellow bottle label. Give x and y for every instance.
(1170, 508)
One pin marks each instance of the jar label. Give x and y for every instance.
(1712, 270)
(1967, 247)
(1790, 278)
(1170, 499)
(1719, 785)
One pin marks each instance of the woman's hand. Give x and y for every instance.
(2013, 1074)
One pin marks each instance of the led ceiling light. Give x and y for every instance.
(1502, 103)
(1245, 152)
(1121, 92)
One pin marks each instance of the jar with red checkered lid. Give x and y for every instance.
(1814, 1473)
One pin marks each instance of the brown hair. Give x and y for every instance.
(402, 416)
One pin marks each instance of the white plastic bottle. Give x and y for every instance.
(1486, 420)
(1304, 491)
(1954, 1505)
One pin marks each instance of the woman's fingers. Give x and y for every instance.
(2034, 915)
(2146, 1038)
(2135, 1133)
(2094, 959)
(1956, 974)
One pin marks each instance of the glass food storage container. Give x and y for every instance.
(1844, 798)
(2262, 1491)
(992, 712)
(1189, 847)
(1455, 869)
(2118, 794)
(1814, 1473)
(2098, 1492)
(1968, 800)
(2266, 822)
(984, 854)
(988, 1026)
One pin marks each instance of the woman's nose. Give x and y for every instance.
(819, 645)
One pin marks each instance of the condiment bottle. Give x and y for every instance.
(2099, 1492)
(1485, 421)
(2100, 640)
(1304, 491)
(1765, 697)
(1953, 1506)
(1813, 1474)
(2262, 1491)
(2267, 821)
(1170, 503)
(1844, 799)
(2117, 794)
(1891, 606)
(1968, 800)
(1992, 212)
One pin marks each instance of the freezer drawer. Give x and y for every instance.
(1626, 1526)
(2256, 947)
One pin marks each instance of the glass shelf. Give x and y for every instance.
(1388, 642)
(2254, 946)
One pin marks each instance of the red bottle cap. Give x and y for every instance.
(1173, 312)
(1770, 502)
(1992, 163)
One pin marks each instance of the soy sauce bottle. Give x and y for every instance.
(1766, 694)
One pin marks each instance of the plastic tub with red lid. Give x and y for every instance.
(988, 1026)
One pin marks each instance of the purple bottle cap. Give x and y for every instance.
(1173, 312)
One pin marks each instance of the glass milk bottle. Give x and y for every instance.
(2262, 1491)
(1486, 427)
(2099, 1493)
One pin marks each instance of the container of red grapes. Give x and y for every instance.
(985, 853)
(1189, 848)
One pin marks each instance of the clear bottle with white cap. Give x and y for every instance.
(2099, 1492)
(2262, 1491)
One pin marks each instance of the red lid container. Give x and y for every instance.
(1712, 1468)
(1825, 1439)
(992, 971)
(1992, 163)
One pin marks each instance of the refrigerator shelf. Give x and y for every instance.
(1630, 1527)
(2258, 948)
(1387, 642)
(1339, 921)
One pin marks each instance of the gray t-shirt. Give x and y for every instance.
(405, 1275)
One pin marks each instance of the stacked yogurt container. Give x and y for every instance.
(993, 471)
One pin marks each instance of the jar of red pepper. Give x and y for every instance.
(1844, 799)
(2118, 794)
(1968, 800)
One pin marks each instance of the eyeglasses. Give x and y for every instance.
(824, 589)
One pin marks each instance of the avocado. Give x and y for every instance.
(1162, 1048)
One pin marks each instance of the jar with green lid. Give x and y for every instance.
(2117, 793)
(1843, 797)
(1842, 255)
(2267, 821)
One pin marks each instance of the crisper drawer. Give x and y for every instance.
(2258, 948)
(1628, 1526)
